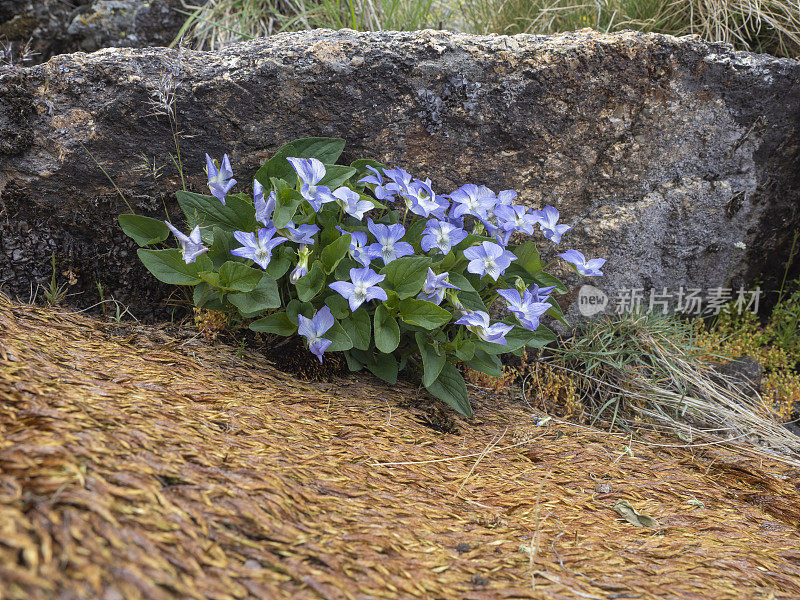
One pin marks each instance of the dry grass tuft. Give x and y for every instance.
(771, 26)
(647, 370)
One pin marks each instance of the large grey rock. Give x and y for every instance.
(55, 26)
(662, 152)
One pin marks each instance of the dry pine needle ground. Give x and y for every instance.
(137, 465)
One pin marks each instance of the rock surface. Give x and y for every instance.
(662, 152)
(745, 372)
(55, 27)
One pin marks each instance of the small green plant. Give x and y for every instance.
(120, 310)
(785, 318)
(55, 293)
(411, 288)
(785, 322)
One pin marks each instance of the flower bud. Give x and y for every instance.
(302, 264)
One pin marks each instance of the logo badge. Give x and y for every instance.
(591, 300)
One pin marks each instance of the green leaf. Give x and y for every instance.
(450, 388)
(360, 166)
(407, 275)
(334, 252)
(211, 278)
(514, 271)
(310, 284)
(486, 363)
(472, 301)
(375, 203)
(336, 176)
(452, 263)
(238, 212)
(359, 328)
(237, 277)
(528, 257)
(423, 313)
(295, 307)
(143, 230)
(413, 233)
(339, 338)
(286, 202)
(461, 282)
(387, 332)
(327, 218)
(433, 359)
(546, 280)
(280, 262)
(465, 350)
(556, 312)
(263, 297)
(206, 296)
(354, 362)
(519, 337)
(277, 323)
(383, 366)
(220, 250)
(471, 240)
(168, 266)
(342, 271)
(338, 305)
(326, 150)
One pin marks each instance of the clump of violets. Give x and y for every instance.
(369, 261)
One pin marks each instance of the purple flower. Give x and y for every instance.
(421, 199)
(488, 259)
(506, 197)
(191, 245)
(352, 203)
(358, 246)
(474, 200)
(299, 271)
(264, 208)
(515, 218)
(493, 230)
(219, 180)
(589, 268)
(525, 307)
(477, 322)
(441, 235)
(311, 171)
(541, 294)
(400, 181)
(313, 329)
(435, 285)
(257, 246)
(362, 289)
(302, 234)
(376, 179)
(388, 247)
(548, 221)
